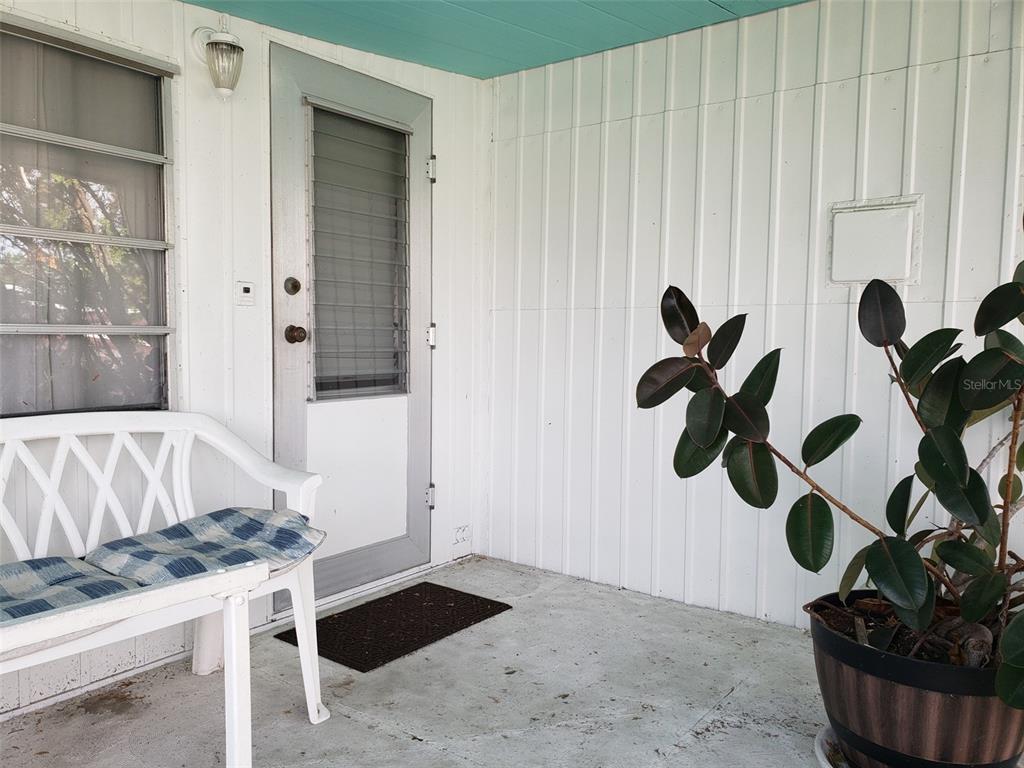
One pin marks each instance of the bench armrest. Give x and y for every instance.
(299, 487)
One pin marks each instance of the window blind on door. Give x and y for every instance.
(360, 257)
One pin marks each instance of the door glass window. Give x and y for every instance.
(360, 257)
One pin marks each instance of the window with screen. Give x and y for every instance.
(83, 251)
(360, 257)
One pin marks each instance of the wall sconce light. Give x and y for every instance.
(222, 54)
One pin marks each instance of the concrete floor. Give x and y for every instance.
(577, 674)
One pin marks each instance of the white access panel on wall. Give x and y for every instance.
(875, 239)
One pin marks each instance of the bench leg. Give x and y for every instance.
(304, 609)
(237, 694)
(207, 644)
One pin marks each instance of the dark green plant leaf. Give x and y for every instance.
(954, 349)
(901, 348)
(678, 314)
(970, 504)
(826, 438)
(746, 417)
(852, 574)
(923, 476)
(880, 314)
(964, 557)
(943, 456)
(664, 379)
(704, 416)
(916, 538)
(940, 402)
(734, 444)
(1015, 488)
(691, 459)
(991, 530)
(998, 308)
(810, 532)
(920, 619)
(1011, 645)
(918, 505)
(916, 390)
(724, 342)
(984, 413)
(896, 568)
(1020, 456)
(701, 380)
(1010, 685)
(760, 382)
(1018, 273)
(881, 637)
(752, 472)
(898, 506)
(697, 340)
(976, 539)
(989, 378)
(982, 596)
(927, 353)
(1006, 341)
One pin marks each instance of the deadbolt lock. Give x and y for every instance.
(292, 286)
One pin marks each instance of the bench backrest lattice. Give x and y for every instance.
(74, 467)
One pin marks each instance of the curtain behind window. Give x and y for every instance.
(67, 214)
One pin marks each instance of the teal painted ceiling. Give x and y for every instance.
(484, 38)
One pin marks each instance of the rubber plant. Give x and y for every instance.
(954, 593)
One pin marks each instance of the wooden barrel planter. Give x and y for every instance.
(889, 711)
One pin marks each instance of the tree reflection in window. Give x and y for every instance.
(56, 281)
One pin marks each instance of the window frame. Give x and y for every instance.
(164, 72)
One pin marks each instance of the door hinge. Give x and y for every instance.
(432, 169)
(430, 495)
(432, 335)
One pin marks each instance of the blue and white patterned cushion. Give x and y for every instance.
(210, 542)
(47, 583)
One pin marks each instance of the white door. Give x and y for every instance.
(351, 272)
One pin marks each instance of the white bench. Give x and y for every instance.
(218, 601)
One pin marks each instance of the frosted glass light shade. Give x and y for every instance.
(224, 58)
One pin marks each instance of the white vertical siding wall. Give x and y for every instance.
(707, 160)
(222, 234)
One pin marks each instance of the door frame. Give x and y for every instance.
(298, 82)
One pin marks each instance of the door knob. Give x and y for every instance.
(294, 333)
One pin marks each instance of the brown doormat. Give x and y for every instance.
(372, 634)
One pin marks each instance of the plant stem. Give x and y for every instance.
(1011, 465)
(713, 375)
(823, 493)
(903, 388)
(943, 534)
(917, 646)
(937, 573)
(993, 452)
